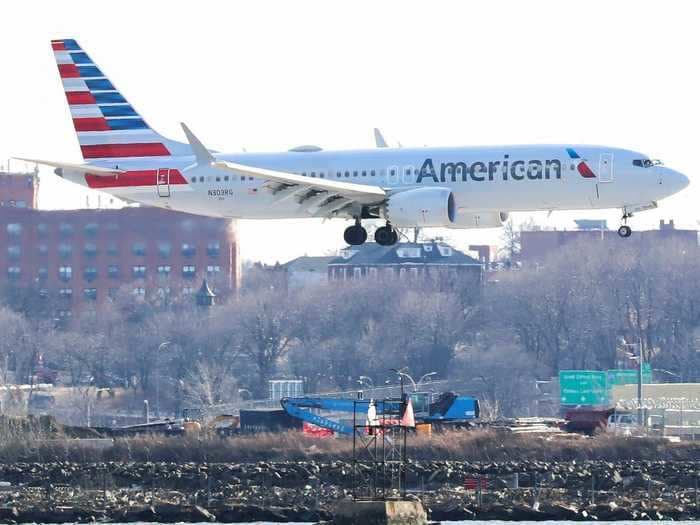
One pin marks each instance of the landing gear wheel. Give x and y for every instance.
(624, 231)
(386, 236)
(355, 235)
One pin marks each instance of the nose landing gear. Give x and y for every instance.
(625, 231)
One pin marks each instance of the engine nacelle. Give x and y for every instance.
(480, 219)
(428, 207)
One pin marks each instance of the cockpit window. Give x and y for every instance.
(647, 163)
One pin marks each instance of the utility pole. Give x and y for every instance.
(640, 380)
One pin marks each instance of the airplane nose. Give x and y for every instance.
(674, 180)
(677, 180)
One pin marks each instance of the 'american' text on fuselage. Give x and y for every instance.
(489, 171)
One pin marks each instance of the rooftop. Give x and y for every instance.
(432, 252)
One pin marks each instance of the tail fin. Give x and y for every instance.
(108, 127)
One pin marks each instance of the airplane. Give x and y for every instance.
(449, 187)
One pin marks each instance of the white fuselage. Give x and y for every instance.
(498, 179)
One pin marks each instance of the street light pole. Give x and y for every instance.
(161, 347)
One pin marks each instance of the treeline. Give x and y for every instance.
(573, 311)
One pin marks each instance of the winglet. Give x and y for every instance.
(379, 139)
(201, 153)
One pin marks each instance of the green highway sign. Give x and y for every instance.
(628, 376)
(583, 387)
(593, 387)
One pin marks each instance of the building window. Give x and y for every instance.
(164, 249)
(163, 292)
(112, 293)
(164, 271)
(14, 273)
(65, 250)
(112, 249)
(139, 248)
(90, 249)
(90, 229)
(65, 273)
(139, 271)
(140, 291)
(63, 314)
(187, 290)
(14, 251)
(213, 270)
(42, 229)
(90, 273)
(188, 271)
(42, 274)
(188, 250)
(43, 293)
(65, 228)
(65, 293)
(373, 273)
(90, 294)
(43, 249)
(213, 248)
(113, 271)
(357, 273)
(14, 229)
(113, 227)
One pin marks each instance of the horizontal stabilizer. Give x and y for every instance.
(83, 168)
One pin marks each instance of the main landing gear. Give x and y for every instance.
(386, 235)
(356, 234)
(625, 231)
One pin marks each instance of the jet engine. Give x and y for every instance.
(428, 207)
(480, 219)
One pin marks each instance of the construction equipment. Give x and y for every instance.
(445, 409)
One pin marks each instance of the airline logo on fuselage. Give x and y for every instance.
(581, 165)
(505, 169)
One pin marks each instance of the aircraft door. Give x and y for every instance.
(163, 182)
(606, 168)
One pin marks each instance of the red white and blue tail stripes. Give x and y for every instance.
(108, 127)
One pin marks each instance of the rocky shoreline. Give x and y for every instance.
(307, 491)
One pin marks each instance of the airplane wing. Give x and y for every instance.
(83, 168)
(320, 197)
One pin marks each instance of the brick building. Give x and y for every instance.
(18, 190)
(82, 257)
(537, 245)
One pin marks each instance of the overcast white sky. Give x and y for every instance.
(271, 75)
